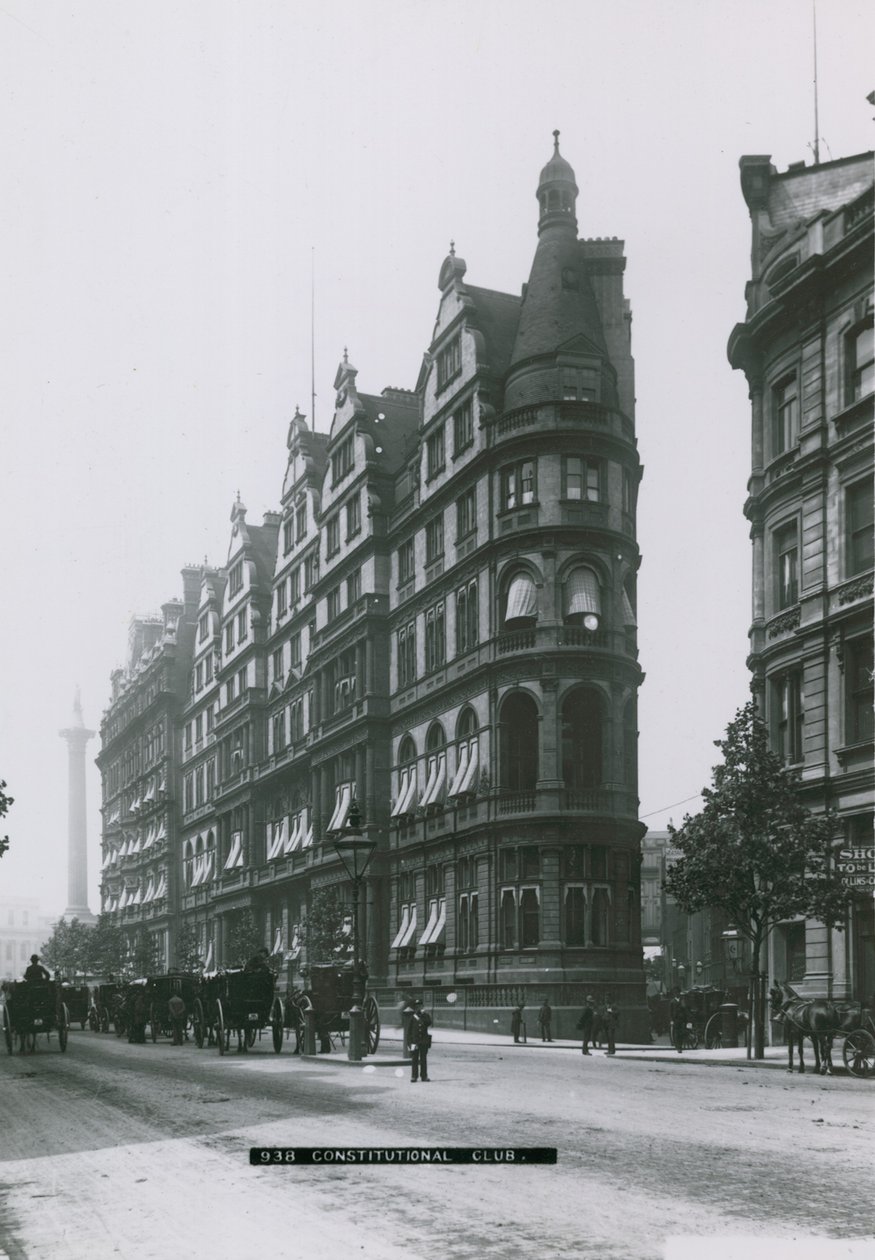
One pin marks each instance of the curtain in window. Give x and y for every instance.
(522, 598)
(582, 593)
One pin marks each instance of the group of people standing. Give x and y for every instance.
(596, 1023)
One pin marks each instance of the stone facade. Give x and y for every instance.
(806, 348)
(439, 625)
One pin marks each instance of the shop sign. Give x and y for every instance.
(857, 866)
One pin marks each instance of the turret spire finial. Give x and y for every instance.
(452, 249)
(556, 141)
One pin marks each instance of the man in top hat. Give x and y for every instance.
(584, 1024)
(36, 971)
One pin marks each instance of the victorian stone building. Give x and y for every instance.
(806, 348)
(439, 624)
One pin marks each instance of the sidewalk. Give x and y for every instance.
(776, 1056)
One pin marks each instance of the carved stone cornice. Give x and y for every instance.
(860, 588)
(784, 624)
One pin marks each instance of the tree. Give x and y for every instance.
(755, 851)
(244, 938)
(323, 927)
(5, 802)
(188, 955)
(106, 948)
(68, 948)
(142, 957)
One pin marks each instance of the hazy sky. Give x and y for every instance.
(171, 170)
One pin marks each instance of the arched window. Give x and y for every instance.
(582, 737)
(405, 799)
(435, 766)
(519, 743)
(467, 763)
(521, 602)
(582, 601)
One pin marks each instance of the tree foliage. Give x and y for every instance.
(187, 952)
(754, 850)
(322, 928)
(244, 937)
(68, 948)
(5, 802)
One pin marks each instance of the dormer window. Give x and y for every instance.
(449, 362)
(235, 579)
(342, 461)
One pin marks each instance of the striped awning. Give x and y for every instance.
(405, 921)
(431, 925)
(522, 598)
(436, 924)
(343, 796)
(582, 593)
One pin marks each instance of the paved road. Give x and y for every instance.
(114, 1149)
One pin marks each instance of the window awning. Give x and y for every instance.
(522, 598)
(411, 928)
(436, 924)
(436, 780)
(461, 770)
(296, 835)
(308, 838)
(425, 939)
(162, 886)
(582, 593)
(209, 858)
(405, 921)
(628, 612)
(343, 796)
(278, 946)
(161, 832)
(150, 889)
(407, 803)
(464, 782)
(405, 776)
(235, 857)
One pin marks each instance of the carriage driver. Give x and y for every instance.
(36, 971)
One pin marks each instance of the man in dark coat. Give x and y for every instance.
(178, 1018)
(418, 1039)
(517, 1024)
(611, 1018)
(545, 1019)
(36, 971)
(679, 1019)
(584, 1024)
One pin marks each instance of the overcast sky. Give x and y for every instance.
(171, 172)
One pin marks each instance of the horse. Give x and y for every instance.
(819, 1019)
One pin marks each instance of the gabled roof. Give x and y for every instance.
(497, 318)
(390, 418)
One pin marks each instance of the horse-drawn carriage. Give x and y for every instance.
(705, 1017)
(77, 999)
(33, 1007)
(238, 1001)
(104, 1005)
(823, 1020)
(160, 990)
(329, 996)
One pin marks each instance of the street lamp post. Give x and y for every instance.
(355, 850)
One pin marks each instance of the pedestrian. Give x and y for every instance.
(611, 1019)
(679, 1019)
(418, 1039)
(36, 971)
(517, 1023)
(178, 1015)
(584, 1024)
(259, 961)
(545, 1019)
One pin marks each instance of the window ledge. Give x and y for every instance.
(855, 752)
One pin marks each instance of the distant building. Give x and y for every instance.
(24, 929)
(439, 624)
(807, 350)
